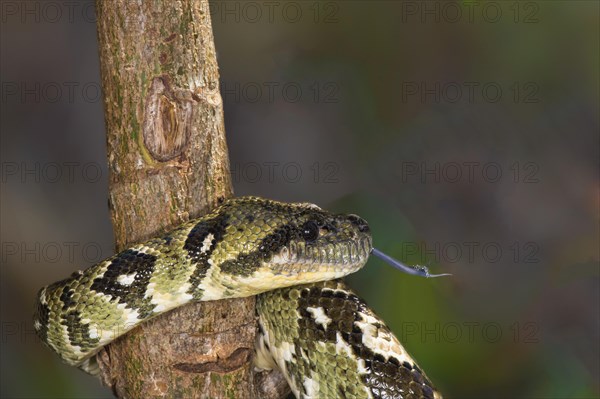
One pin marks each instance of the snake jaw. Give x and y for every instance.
(345, 257)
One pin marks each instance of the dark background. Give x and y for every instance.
(465, 133)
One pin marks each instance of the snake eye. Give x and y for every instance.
(310, 231)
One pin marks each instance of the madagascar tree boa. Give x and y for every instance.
(323, 337)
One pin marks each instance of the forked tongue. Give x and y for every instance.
(422, 271)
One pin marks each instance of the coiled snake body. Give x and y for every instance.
(325, 340)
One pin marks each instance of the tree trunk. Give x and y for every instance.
(168, 163)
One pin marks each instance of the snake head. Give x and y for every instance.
(323, 242)
(269, 244)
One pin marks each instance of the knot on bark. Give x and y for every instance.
(167, 116)
(236, 360)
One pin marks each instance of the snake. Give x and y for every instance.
(323, 337)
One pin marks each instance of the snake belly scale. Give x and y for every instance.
(323, 337)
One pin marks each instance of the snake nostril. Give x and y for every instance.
(360, 223)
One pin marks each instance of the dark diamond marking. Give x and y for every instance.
(79, 333)
(128, 262)
(246, 264)
(66, 297)
(42, 314)
(193, 245)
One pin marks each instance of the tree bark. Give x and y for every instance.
(168, 163)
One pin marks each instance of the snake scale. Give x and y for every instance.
(323, 337)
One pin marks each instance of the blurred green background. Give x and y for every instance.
(466, 133)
